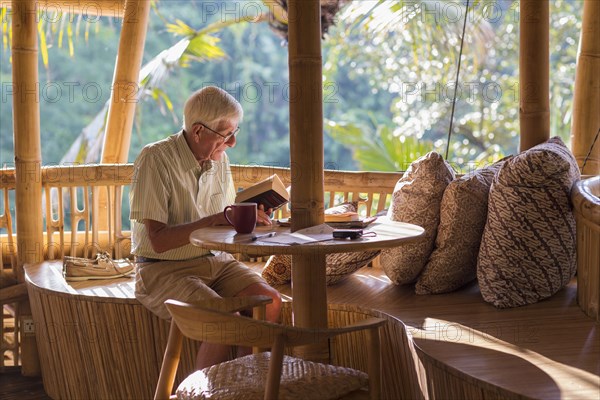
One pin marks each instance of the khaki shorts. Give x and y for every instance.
(191, 281)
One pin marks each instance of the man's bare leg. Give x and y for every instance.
(272, 310)
(210, 354)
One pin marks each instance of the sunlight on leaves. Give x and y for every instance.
(43, 46)
(5, 29)
(180, 28)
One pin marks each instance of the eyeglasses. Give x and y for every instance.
(225, 137)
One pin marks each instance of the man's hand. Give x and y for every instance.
(219, 219)
(262, 216)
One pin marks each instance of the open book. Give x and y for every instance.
(271, 193)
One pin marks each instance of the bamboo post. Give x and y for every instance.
(28, 159)
(306, 154)
(586, 103)
(125, 93)
(534, 75)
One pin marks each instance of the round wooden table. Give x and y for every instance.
(224, 238)
(309, 293)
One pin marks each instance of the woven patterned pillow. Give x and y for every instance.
(278, 269)
(416, 200)
(528, 247)
(463, 213)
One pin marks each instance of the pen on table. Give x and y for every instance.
(267, 235)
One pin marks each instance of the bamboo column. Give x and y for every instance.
(306, 153)
(125, 93)
(124, 96)
(534, 73)
(28, 159)
(586, 103)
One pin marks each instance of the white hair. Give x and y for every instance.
(210, 105)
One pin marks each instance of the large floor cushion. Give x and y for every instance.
(245, 378)
(528, 246)
(416, 199)
(463, 213)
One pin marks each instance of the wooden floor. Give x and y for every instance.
(14, 386)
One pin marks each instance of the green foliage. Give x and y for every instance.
(379, 149)
(397, 60)
(388, 73)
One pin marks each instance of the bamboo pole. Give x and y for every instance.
(534, 75)
(125, 94)
(586, 103)
(306, 154)
(306, 113)
(28, 158)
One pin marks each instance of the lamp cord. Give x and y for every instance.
(462, 41)
(590, 152)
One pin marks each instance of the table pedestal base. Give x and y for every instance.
(310, 301)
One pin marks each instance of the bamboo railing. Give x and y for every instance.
(76, 209)
(69, 198)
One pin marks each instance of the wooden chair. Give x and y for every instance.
(174, 343)
(263, 375)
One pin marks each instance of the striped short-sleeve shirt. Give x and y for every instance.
(170, 186)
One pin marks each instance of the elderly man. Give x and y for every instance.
(182, 183)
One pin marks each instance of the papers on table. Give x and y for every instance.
(318, 233)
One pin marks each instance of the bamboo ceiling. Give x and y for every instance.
(97, 8)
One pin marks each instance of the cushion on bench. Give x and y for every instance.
(278, 269)
(416, 200)
(463, 213)
(528, 247)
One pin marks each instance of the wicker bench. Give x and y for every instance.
(95, 339)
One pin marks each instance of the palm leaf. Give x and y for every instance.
(404, 19)
(378, 149)
(180, 28)
(43, 44)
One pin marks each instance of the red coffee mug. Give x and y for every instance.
(243, 219)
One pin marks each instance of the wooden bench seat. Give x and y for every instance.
(104, 344)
